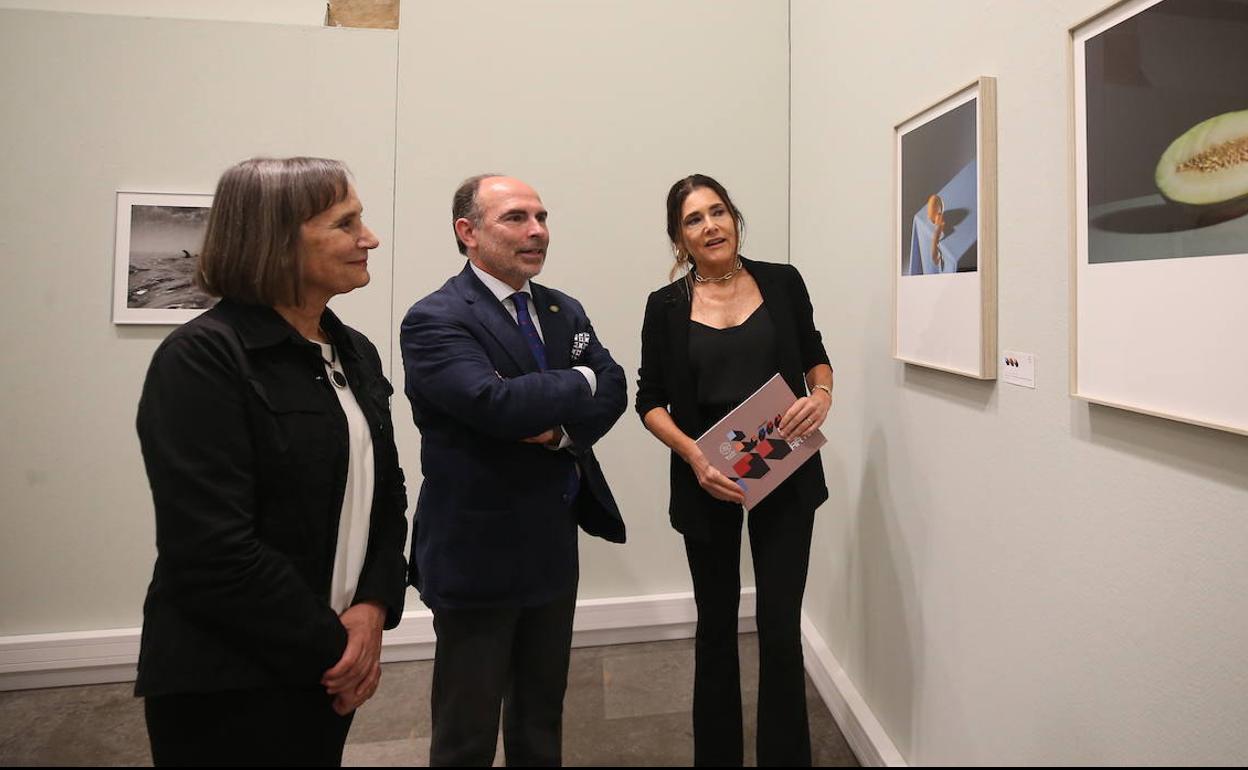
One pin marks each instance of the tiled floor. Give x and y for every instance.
(626, 705)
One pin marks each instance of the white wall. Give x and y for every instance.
(1006, 575)
(94, 104)
(600, 106)
(307, 12)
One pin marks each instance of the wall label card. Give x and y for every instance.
(1018, 368)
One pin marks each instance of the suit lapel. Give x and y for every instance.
(491, 314)
(556, 327)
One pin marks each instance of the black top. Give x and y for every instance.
(666, 381)
(730, 364)
(246, 448)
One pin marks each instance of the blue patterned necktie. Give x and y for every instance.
(525, 322)
(528, 329)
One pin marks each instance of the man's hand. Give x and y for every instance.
(550, 437)
(354, 678)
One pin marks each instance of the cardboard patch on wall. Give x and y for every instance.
(370, 14)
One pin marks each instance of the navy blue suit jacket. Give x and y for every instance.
(495, 524)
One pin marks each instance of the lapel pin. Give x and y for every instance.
(554, 308)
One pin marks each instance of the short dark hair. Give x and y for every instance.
(676, 201)
(464, 205)
(251, 248)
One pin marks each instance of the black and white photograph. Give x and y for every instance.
(159, 237)
(1166, 136)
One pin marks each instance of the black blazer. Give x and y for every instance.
(666, 380)
(246, 450)
(496, 520)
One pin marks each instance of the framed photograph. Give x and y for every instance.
(159, 236)
(945, 234)
(1160, 175)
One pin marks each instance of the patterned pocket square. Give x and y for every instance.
(580, 341)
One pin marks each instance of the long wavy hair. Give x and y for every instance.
(676, 202)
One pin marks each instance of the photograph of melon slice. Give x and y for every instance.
(1208, 164)
(1166, 136)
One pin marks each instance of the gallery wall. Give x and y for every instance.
(96, 104)
(306, 12)
(601, 106)
(1005, 574)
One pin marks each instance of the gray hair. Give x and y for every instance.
(464, 205)
(250, 251)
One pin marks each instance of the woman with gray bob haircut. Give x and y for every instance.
(266, 433)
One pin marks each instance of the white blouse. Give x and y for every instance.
(357, 497)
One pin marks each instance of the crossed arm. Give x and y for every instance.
(447, 367)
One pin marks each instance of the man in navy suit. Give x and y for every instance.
(510, 389)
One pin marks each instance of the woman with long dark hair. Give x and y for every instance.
(709, 340)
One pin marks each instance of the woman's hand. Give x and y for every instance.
(354, 678)
(346, 702)
(805, 415)
(716, 484)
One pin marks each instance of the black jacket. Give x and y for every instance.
(246, 450)
(666, 380)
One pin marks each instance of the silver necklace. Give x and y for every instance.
(726, 276)
(335, 376)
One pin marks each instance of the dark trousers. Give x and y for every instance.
(516, 657)
(272, 727)
(780, 545)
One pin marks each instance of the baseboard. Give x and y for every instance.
(863, 732)
(96, 657)
(70, 658)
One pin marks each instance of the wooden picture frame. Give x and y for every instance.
(944, 260)
(1157, 276)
